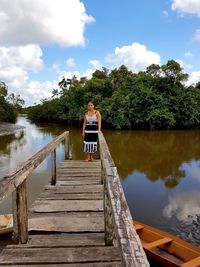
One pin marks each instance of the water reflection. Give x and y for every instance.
(158, 155)
(183, 205)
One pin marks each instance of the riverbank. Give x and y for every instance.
(9, 128)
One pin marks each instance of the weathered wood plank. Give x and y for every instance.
(75, 177)
(84, 169)
(80, 214)
(49, 194)
(59, 255)
(63, 240)
(66, 205)
(78, 171)
(82, 160)
(93, 264)
(78, 174)
(66, 223)
(75, 188)
(79, 182)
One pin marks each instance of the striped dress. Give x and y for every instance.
(91, 134)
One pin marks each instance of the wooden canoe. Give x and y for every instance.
(167, 249)
(6, 223)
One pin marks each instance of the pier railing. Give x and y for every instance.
(118, 219)
(15, 183)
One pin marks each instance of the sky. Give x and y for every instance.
(43, 40)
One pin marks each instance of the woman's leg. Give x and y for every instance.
(88, 157)
(91, 157)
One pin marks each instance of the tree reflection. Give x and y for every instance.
(158, 154)
(10, 142)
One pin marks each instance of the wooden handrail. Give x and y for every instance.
(118, 219)
(10, 182)
(15, 183)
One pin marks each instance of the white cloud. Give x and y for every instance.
(184, 65)
(192, 169)
(187, 6)
(135, 56)
(34, 91)
(43, 22)
(193, 78)
(26, 57)
(197, 35)
(96, 64)
(70, 62)
(188, 54)
(15, 62)
(183, 205)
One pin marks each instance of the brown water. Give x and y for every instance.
(160, 171)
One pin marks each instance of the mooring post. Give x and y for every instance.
(53, 167)
(20, 216)
(66, 145)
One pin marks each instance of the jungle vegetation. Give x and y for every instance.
(156, 98)
(10, 104)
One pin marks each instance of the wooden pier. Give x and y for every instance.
(80, 219)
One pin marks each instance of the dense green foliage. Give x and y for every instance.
(153, 99)
(10, 105)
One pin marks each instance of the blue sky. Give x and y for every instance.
(76, 37)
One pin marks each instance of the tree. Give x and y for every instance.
(16, 101)
(3, 89)
(173, 71)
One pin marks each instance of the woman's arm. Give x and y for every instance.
(84, 124)
(99, 120)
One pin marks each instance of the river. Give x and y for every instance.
(159, 171)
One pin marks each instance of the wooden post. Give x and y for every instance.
(15, 217)
(53, 167)
(66, 145)
(20, 216)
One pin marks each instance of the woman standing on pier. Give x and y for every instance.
(91, 126)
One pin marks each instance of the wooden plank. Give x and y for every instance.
(63, 240)
(48, 194)
(79, 175)
(192, 263)
(75, 188)
(63, 177)
(138, 227)
(93, 264)
(59, 255)
(67, 223)
(66, 205)
(81, 170)
(157, 243)
(79, 182)
(82, 160)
